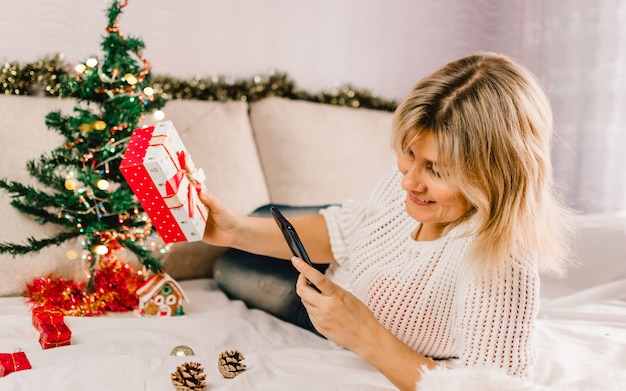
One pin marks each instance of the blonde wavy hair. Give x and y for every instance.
(493, 125)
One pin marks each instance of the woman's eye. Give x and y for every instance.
(433, 171)
(409, 152)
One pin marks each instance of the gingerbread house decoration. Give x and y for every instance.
(161, 296)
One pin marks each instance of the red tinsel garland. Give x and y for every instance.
(115, 284)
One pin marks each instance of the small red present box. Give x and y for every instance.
(12, 362)
(54, 335)
(46, 315)
(161, 173)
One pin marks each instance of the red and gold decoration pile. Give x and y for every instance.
(114, 289)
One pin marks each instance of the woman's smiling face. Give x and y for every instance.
(431, 200)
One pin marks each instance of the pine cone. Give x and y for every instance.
(229, 363)
(189, 377)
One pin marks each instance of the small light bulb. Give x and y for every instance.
(100, 249)
(102, 184)
(130, 79)
(159, 115)
(80, 68)
(92, 62)
(149, 91)
(99, 125)
(70, 184)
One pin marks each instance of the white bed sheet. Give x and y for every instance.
(581, 346)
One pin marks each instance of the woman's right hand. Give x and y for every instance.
(260, 235)
(222, 222)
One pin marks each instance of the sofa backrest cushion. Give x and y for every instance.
(25, 137)
(316, 153)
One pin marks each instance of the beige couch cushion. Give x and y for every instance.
(25, 137)
(316, 154)
(219, 137)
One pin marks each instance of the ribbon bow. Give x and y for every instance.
(195, 177)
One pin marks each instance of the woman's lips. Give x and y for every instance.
(418, 201)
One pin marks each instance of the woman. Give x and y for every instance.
(441, 259)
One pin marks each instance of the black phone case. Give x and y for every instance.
(291, 236)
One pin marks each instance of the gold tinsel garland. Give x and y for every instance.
(44, 76)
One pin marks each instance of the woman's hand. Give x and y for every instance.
(335, 312)
(222, 223)
(345, 320)
(261, 235)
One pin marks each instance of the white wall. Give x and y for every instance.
(383, 46)
(576, 47)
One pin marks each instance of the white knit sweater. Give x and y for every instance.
(430, 294)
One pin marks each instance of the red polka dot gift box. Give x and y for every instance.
(161, 173)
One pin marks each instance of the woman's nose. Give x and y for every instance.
(413, 181)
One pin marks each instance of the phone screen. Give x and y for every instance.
(291, 236)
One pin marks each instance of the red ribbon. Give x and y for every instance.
(173, 184)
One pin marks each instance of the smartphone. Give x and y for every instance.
(291, 236)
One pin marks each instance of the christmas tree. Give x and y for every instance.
(84, 192)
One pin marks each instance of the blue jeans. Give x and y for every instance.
(265, 283)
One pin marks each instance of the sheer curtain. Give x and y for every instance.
(578, 50)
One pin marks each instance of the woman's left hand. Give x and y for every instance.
(335, 312)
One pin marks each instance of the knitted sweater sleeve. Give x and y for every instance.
(498, 317)
(343, 220)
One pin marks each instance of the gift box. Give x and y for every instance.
(12, 362)
(46, 315)
(54, 335)
(161, 173)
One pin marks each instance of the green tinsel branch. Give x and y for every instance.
(43, 78)
(40, 169)
(34, 245)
